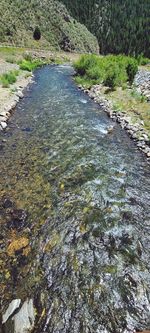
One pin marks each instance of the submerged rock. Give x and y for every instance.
(16, 245)
(10, 310)
(18, 218)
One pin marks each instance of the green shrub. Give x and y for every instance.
(132, 68)
(111, 70)
(27, 56)
(111, 78)
(29, 66)
(9, 78)
(11, 60)
(142, 60)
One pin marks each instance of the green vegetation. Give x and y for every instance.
(130, 102)
(9, 78)
(120, 26)
(111, 70)
(30, 65)
(43, 24)
(142, 61)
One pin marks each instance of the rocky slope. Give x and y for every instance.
(58, 29)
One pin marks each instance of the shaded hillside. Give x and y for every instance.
(121, 26)
(57, 29)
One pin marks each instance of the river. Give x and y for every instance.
(75, 212)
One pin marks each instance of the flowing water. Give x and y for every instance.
(74, 213)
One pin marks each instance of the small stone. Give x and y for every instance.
(16, 99)
(3, 124)
(148, 154)
(20, 94)
(7, 203)
(3, 118)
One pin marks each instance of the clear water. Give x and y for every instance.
(81, 197)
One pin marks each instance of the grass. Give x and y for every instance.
(132, 104)
(9, 78)
(30, 65)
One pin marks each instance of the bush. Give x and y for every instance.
(111, 78)
(142, 60)
(132, 68)
(9, 78)
(111, 70)
(11, 60)
(27, 56)
(29, 66)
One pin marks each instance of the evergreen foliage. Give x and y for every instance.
(121, 26)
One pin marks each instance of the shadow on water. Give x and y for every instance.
(75, 203)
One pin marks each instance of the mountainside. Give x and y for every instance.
(21, 19)
(121, 26)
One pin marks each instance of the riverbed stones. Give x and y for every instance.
(11, 309)
(18, 219)
(24, 319)
(3, 124)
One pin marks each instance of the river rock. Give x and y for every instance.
(3, 124)
(24, 319)
(10, 310)
(20, 94)
(3, 118)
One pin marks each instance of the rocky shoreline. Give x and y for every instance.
(135, 131)
(8, 105)
(142, 83)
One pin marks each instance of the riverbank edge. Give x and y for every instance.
(13, 100)
(135, 131)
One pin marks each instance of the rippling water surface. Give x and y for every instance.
(78, 200)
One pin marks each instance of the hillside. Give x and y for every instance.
(58, 29)
(120, 26)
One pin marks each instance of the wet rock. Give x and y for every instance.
(11, 309)
(18, 219)
(24, 319)
(110, 129)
